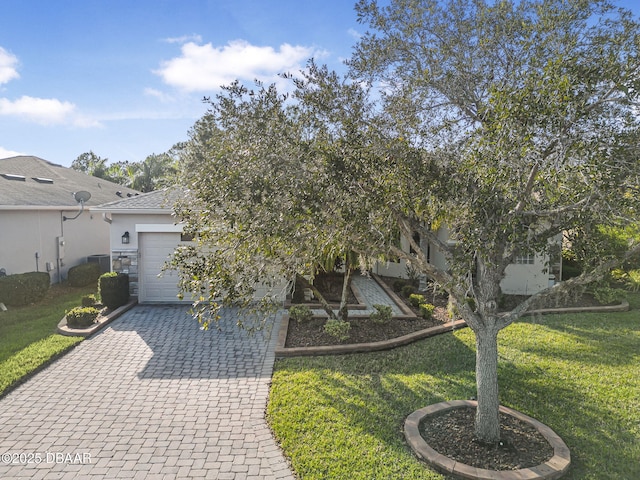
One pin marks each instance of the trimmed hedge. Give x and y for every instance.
(114, 289)
(83, 275)
(88, 300)
(24, 288)
(82, 317)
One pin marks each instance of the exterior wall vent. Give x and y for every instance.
(10, 176)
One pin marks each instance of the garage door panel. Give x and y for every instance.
(155, 250)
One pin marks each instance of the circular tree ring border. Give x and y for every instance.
(555, 467)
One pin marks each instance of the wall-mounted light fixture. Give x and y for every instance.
(125, 238)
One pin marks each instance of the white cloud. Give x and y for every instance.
(4, 153)
(354, 33)
(206, 68)
(8, 64)
(184, 39)
(163, 97)
(45, 111)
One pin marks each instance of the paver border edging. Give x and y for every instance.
(621, 307)
(63, 329)
(282, 351)
(553, 468)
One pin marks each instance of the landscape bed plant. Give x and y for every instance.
(82, 317)
(114, 289)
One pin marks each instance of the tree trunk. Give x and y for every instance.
(323, 302)
(487, 417)
(343, 312)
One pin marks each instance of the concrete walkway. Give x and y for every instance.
(151, 396)
(372, 294)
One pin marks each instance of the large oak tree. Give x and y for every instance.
(505, 124)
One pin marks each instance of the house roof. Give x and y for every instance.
(32, 182)
(158, 201)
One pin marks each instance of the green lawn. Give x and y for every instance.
(342, 417)
(27, 334)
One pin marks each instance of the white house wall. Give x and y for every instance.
(519, 279)
(25, 232)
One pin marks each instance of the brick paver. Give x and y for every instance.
(151, 396)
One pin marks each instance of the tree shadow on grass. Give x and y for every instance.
(360, 402)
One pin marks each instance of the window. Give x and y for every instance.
(526, 259)
(416, 238)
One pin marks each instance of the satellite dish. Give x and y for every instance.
(81, 196)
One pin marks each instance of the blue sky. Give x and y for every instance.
(125, 78)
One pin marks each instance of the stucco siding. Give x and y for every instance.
(24, 233)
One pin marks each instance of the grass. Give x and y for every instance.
(27, 334)
(342, 416)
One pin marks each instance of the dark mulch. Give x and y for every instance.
(452, 435)
(363, 330)
(330, 286)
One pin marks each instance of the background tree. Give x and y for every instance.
(154, 172)
(92, 164)
(505, 124)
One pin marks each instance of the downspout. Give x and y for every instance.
(58, 247)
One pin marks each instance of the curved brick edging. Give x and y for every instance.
(622, 307)
(555, 467)
(282, 351)
(63, 329)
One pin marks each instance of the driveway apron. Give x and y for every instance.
(151, 396)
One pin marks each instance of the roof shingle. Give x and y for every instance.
(32, 181)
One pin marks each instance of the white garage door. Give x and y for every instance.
(154, 284)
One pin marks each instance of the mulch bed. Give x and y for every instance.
(363, 330)
(452, 435)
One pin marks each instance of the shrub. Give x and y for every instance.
(114, 289)
(632, 280)
(24, 288)
(82, 317)
(426, 310)
(338, 329)
(605, 294)
(84, 274)
(398, 284)
(88, 300)
(416, 299)
(407, 290)
(382, 314)
(300, 313)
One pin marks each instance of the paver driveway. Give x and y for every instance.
(151, 396)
